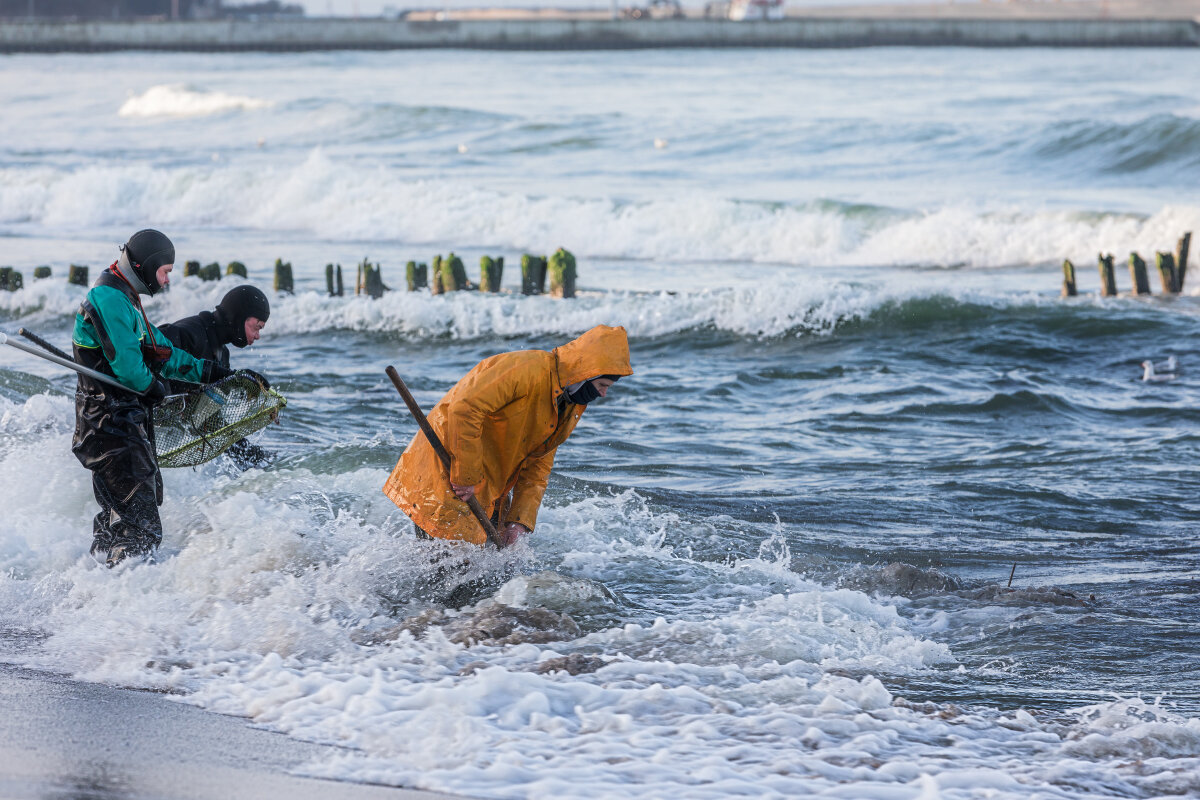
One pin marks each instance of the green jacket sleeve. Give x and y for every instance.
(126, 329)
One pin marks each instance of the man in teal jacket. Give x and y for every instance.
(114, 429)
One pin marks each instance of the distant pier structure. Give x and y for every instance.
(572, 33)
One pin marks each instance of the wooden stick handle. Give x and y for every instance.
(430, 434)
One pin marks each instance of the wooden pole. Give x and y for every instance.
(329, 280)
(341, 288)
(490, 273)
(1068, 289)
(236, 268)
(1181, 259)
(562, 274)
(78, 275)
(430, 434)
(1108, 278)
(1137, 271)
(529, 274)
(1166, 272)
(283, 276)
(41, 272)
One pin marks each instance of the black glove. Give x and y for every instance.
(254, 376)
(214, 372)
(155, 392)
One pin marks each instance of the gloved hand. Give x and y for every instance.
(214, 372)
(155, 392)
(254, 376)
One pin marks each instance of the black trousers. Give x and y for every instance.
(114, 439)
(128, 512)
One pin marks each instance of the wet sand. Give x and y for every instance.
(64, 738)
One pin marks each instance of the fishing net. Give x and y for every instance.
(198, 426)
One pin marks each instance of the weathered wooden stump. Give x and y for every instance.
(1166, 272)
(416, 275)
(6, 274)
(1068, 287)
(78, 274)
(191, 268)
(533, 274)
(1181, 259)
(1137, 272)
(236, 268)
(455, 274)
(330, 281)
(562, 274)
(210, 272)
(491, 271)
(41, 272)
(372, 279)
(341, 287)
(435, 276)
(283, 276)
(1108, 277)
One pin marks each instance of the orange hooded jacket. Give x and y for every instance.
(501, 424)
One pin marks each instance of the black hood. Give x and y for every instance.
(237, 306)
(142, 255)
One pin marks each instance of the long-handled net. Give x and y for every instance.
(198, 426)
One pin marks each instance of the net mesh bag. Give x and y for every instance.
(198, 426)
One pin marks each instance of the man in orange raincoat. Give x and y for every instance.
(502, 424)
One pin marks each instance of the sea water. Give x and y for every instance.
(774, 562)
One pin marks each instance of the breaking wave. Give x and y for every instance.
(328, 199)
(179, 100)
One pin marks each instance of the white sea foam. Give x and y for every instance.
(179, 100)
(331, 199)
(274, 599)
(790, 304)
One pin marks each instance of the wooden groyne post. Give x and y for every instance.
(533, 274)
(562, 274)
(1137, 273)
(10, 279)
(333, 280)
(41, 272)
(283, 276)
(1108, 277)
(370, 279)
(1068, 287)
(416, 275)
(1181, 258)
(491, 271)
(236, 268)
(1166, 272)
(78, 275)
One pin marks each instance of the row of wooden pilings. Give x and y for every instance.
(1172, 269)
(11, 279)
(448, 275)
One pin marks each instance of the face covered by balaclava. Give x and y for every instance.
(585, 392)
(140, 258)
(237, 306)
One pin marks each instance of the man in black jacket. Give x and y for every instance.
(237, 320)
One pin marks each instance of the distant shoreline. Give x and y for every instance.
(1118, 23)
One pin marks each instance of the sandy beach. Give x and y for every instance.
(64, 738)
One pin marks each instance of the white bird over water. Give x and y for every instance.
(1163, 371)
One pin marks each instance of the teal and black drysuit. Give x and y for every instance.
(114, 429)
